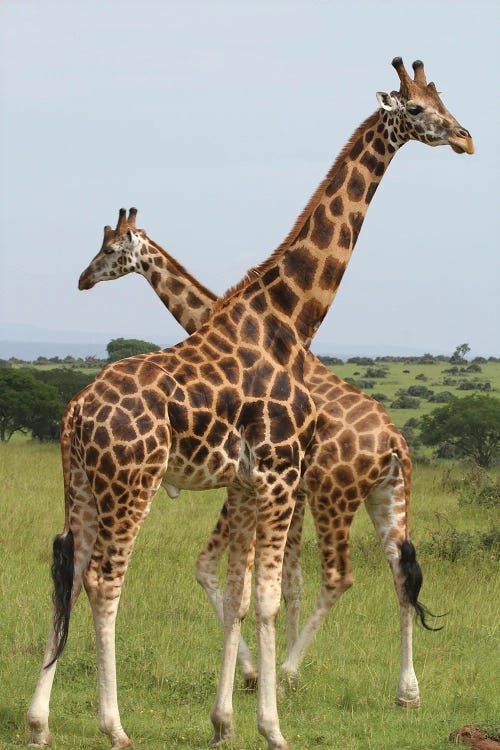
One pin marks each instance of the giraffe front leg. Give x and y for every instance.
(104, 600)
(276, 505)
(241, 525)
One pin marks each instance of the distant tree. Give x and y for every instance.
(458, 356)
(27, 404)
(360, 361)
(121, 348)
(421, 377)
(66, 382)
(330, 361)
(471, 425)
(427, 359)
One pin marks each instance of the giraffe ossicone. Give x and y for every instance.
(175, 417)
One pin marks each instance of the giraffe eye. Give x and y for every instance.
(109, 250)
(414, 109)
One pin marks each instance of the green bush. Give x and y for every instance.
(478, 488)
(379, 397)
(406, 402)
(442, 397)
(421, 391)
(447, 543)
(375, 372)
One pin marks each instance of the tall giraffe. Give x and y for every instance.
(226, 407)
(344, 449)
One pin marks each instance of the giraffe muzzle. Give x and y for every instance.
(84, 282)
(461, 141)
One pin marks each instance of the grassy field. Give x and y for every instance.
(169, 645)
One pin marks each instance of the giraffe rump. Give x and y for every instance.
(62, 576)
(413, 582)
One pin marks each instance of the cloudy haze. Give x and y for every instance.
(218, 120)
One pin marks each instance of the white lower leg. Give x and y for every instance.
(38, 713)
(292, 594)
(222, 710)
(236, 603)
(207, 578)
(408, 692)
(268, 720)
(290, 667)
(109, 716)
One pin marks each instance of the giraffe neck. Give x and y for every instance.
(189, 301)
(301, 278)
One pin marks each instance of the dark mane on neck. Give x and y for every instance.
(313, 202)
(180, 270)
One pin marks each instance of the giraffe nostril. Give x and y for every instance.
(462, 133)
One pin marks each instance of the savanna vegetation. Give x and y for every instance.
(168, 641)
(169, 644)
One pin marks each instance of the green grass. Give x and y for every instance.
(169, 644)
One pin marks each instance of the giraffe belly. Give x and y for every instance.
(182, 473)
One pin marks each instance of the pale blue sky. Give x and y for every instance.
(218, 120)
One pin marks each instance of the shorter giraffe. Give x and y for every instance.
(341, 449)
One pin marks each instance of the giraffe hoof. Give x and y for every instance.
(220, 739)
(40, 737)
(251, 683)
(410, 703)
(289, 681)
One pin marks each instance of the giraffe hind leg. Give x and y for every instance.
(387, 507)
(292, 581)
(206, 575)
(337, 577)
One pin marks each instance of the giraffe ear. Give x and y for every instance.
(386, 101)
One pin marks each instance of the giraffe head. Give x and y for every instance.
(416, 112)
(120, 252)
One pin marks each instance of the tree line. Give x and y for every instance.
(33, 400)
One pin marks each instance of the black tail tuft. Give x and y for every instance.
(62, 575)
(413, 582)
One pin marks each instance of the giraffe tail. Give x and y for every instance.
(63, 552)
(408, 562)
(62, 576)
(413, 583)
